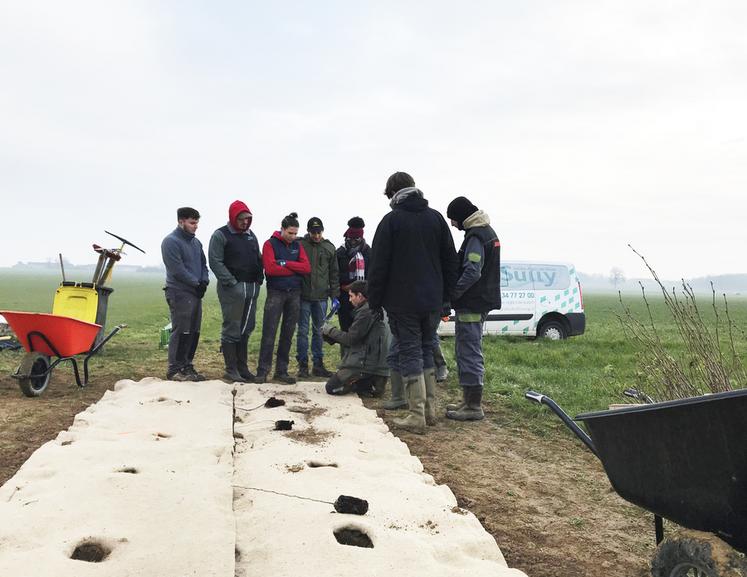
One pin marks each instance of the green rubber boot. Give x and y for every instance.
(398, 394)
(429, 376)
(415, 420)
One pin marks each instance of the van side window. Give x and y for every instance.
(532, 276)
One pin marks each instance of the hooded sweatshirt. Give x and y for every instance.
(234, 254)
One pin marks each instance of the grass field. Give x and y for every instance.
(581, 373)
(534, 487)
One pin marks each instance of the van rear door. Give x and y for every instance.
(517, 302)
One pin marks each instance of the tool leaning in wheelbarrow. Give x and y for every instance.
(685, 461)
(75, 327)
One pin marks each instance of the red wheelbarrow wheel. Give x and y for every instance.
(33, 363)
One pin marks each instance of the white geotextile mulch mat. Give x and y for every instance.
(174, 479)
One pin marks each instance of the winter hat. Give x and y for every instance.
(236, 208)
(355, 228)
(460, 209)
(315, 224)
(398, 181)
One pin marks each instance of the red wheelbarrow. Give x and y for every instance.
(44, 336)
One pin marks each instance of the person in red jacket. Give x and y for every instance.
(285, 263)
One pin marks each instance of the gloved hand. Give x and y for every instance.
(327, 329)
(446, 311)
(201, 288)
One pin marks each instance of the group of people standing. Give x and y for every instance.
(391, 297)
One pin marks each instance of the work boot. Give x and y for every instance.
(303, 369)
(260, 377)
(284, 378)
(442, 372)
(241, 358)
(429, 375)
(379, 387)
(398, 394)
(472, 411)
(415, 420)
(179, 376)
(197, 377)
(231, 373)
(320, 371)
(458, 406)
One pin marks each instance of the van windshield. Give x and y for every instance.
(534, 276)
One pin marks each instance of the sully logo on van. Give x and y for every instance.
(544, 277)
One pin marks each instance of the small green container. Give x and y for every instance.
(165, 336)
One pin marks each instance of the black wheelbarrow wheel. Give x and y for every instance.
(34, 363)
(695, 554)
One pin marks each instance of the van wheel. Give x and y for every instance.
(553, 330)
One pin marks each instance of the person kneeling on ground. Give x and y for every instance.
(363, 367)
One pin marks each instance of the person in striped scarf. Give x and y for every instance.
(352, 258)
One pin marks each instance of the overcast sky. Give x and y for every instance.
(578, 127)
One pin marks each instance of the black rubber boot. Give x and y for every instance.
(231, 374)
(472, 411)
(303, 369)
(320, 371)
(241, 358)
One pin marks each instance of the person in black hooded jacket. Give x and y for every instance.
(412, 274)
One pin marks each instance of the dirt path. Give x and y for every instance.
(546, 500)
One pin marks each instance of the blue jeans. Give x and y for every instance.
(317, 311)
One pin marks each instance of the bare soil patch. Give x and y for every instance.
(546, 500)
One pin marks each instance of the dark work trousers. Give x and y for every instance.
(186, 317)
(392, 357)
(345, 312)
(438, 356)
(238, 303)
(415, 333)
(345, 381)
(316, 311)
(468, 348)
(285, 304)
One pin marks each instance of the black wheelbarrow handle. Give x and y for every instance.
(541, 399)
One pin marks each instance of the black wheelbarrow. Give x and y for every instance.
(685, 461)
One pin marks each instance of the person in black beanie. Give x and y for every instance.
(412, 274)
(477, 292)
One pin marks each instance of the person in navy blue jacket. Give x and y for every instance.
(285, 263)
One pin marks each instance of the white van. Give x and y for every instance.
(537, 299)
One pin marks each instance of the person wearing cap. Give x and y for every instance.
(236, 262)
(186, 282)
(285, 263)
(317, 287)
(352, 261)
(413, 271)
(363, 365)
(477, 292)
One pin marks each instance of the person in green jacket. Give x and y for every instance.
(321, 284)
(363, 367)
